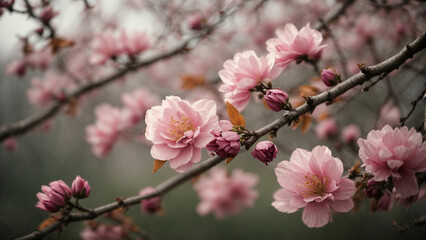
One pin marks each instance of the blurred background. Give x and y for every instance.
(62, 152)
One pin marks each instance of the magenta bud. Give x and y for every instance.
(196, 22)
(330, 77)
(47, 14)
(39, 31)
(54, 196)
(350, 134)
(384, 202)
(6, 3)
(265, 151)
(276, 99)
(226, 144)
(371, 190)
(80, 188)
(151, 205)
(61, 188)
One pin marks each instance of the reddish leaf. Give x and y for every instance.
(192, 81)
(157, 165)
(57, 43)
(47, 222)
(307, 91)
(228, 160)
(236, 118)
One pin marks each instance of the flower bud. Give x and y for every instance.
(152, 205)
(265, 151)
(47, 14)
(61, 188)
(371, 190)
(226, 144)
(350, 134)
(10, 144)
(52, 198)
(80, 188)
(276, 99)
(196, 22)
(330, 77)
(327, 128)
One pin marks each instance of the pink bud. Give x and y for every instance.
(384, 202)
(47, 14)
(276, 99)
(265, 151)
(52, 198)
(330, 77)
(10, 144)
(326, 128)
(80, 188)
(61, 188)
(152, 205)
(226, 144)
(6, 3)
(350, 134)
(371, 190)
(16, 67)
(196, 21)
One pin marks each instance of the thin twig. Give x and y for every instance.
(413, 106)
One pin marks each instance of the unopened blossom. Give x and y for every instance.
(312, 180)
(390, 114)
(371, 190)
(383, 203)
(47, 14)
(16, 67)
(104, 47)
(196, 21)
(45, 90)
(276, 99)
(225, 194)
(133, 43)
(10, 144)
(151, 205)
(104, 232)
(80, 188)
(179, 130)
(39, 60)
(293, 45)
(330, 77)
(54, 196)
(326, 128)
(265, 151)
(138, 102)
(102, 135)
(244, 72)
(226, 143)
(350, 134)
(394, 153)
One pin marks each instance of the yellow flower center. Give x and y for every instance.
(177, 128)
(314, 186)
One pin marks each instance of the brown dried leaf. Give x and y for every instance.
(323, 117)
(305, 123)
(47, 222)
(192, 81)
(72, 107)
(235, 117)
(58, 43)
(307, 91)
(228, 160)
(157, 165)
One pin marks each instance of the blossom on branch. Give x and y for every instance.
(45, 90)
(312, 180)
(244, 72)
(293, 45)
(226, 142)
(179, 130)
(54, 196)
(225, 194)
(397, 153)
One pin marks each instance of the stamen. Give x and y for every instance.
(314, 186)
(177, 128)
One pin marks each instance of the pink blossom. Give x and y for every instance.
(350, 134)
(225, 194)
(103, 232)
(10, 144)
(243, 73)
(138, 102)
(54, 196)
(47, 14)
(292, 44)
(398, 153)
(152, 205)
(330, 77)
(390, 114)
(80, 188)
(133, 43)
(226, 143)
(276, 99)
(103, 134)
(196, 21)
(326, 128)
(39, 60)
(104, 47)
(46, 90)
(265, 151)
(16, 67)
(179, 130)
(313, 180)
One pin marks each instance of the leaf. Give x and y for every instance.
(192, 81)
(157, 165)
(228, 160)
(305, 123)
(72, 107)
(58, 43)
(47, 222)
(236, 118)
(307, 91)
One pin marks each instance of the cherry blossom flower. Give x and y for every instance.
(389, 115)
(226, 143)
(80, 188)
(16, 67)
(179, 130)
(265, 151)
(350, 134)
(103, 232)
(397, 153)
(133, 43)
(292, 44)
(326, 128)
(138, 102)
(54, 196)
(225, 194)
(103, 134)
(46, 90)
(152, 205)
(312, 180)
(104, 47)
(243, 73)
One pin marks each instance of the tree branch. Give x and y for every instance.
(367, 73)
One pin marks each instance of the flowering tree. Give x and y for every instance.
(342, 120)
